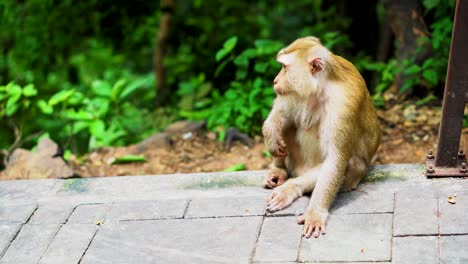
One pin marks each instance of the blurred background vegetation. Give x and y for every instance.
(95, 73)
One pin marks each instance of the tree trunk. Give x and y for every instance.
(167, 7)
(408, 26)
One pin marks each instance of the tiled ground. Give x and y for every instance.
(220, 218)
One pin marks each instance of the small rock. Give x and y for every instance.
(184, 126)
(187, 135)
(46, 162)
(157, 140)
(211, 135)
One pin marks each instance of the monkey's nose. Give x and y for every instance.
(275, 82)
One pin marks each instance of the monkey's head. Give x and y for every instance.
(303, 66)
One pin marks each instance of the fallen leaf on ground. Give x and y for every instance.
(451, 199)
(99, 222)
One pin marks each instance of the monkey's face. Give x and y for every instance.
(295, 77)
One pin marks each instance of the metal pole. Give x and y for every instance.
(456, 88)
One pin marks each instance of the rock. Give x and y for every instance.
(185, 126)
(157, 140)
(46, 162)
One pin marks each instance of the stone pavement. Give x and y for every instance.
(396, 216)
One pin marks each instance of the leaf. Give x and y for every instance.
(237, 167)
(267, 154)
(117, 89)
(29, 90)
(261, 67)
(44, 107)
(413, 69)
(430, 4)
(101, 88)
(11, 105)
(228, 46)
(221, 54)
(221, 67)
(431, 76)
(13, 89)
(230, 43)
(135, 85)
(129, 159)
(97, 128)
(451, 199)
(60, 97)
(67, 155)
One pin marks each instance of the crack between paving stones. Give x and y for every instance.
(72, 211)
(254, 249)
(299, 248)
(11, 242)
(48, 244)
(393, 221)
(438, 226)
(186, 209)
(31, 215)
(89, 244)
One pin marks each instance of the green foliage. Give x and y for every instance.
(81, 72)
(431, 72)
(248, 98)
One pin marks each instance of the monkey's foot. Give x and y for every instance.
(314, 223)
(281, 197)
(275, 178)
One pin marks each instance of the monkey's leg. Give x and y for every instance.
(277, 175)
(283, 196)
(355, 172)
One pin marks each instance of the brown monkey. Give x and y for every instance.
(322, 130)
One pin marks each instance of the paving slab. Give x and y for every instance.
(51, 213)
(124, 186)
(416, 213)
(147, 210)
(373, 262)
(279, 240)
(69, 244)
(17, 213)
(296, 208)
(453, 217)
(30, 244)
(203, 240)
(352, 237)
(360, 202)
(453, 249)
(226, 206)
(89, 213)
(7, 233)
(25, 189)
(415, 250)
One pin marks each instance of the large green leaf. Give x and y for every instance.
(101, 88)
(29, 90)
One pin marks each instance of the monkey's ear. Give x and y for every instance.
(316, 65)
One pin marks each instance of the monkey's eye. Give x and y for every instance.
(283, 66)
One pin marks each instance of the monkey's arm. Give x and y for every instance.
(330, 179)
(272, 131)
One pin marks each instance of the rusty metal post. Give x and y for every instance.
(448, 161)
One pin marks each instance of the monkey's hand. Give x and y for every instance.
(275, 178)
(277, 147)
(314, 223)
(281, 197)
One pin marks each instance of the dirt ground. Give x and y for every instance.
(407, 134)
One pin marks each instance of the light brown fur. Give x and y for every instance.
(322, 130)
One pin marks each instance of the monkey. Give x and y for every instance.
(322, 131)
